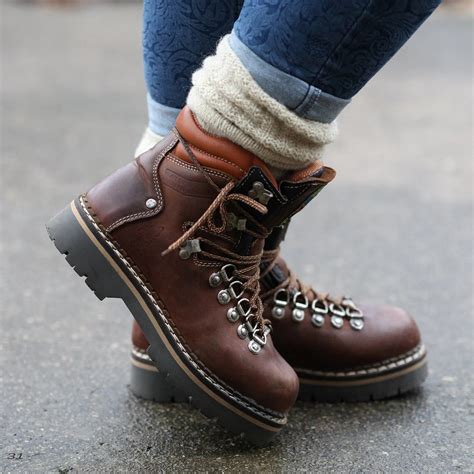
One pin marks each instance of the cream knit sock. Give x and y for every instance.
(227, 102)
(149, 140)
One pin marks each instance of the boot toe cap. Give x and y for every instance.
(390, 331)
(283, 387)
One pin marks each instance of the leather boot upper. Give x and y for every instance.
(378, 333)
(179, 227)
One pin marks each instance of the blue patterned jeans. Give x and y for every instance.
(322, 51)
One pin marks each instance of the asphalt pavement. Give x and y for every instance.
(395, 226)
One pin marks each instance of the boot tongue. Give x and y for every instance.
(283, 201)
(294, 191)
(254, 179)
(314, 170)
(230, 161)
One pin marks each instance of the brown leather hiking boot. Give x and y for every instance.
(341, 351)
(178, 234)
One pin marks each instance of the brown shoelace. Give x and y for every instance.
(269, 257)
(247, 266)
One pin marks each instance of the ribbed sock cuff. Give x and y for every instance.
(228, 102)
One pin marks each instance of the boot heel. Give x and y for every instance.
(73, 239)
(148, 383)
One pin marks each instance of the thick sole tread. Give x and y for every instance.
(148, 383)
(366, 390)
(76, 235)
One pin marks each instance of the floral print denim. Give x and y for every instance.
(177, 36)
(336, 46)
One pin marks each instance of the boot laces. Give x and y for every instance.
(303, 296)
(245, 276)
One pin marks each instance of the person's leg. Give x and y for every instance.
(305, 60)
(276, 85)
(177, 36)
(338, 46)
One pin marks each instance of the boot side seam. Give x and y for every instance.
(190, 167)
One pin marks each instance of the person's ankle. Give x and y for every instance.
(227, 102)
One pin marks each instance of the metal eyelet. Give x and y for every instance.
(278, 312)
(259, 341)
(250, 328)
(260, 193)
(235, 291)
(351, 309)
(227, 272)
(317, 320)
(281, 299)
(215, 279)
(242, 309)
(242, 331)
(254, 347)
(233, 315)
(357, 324)
(347, 301)
(262, 340)
(224, 275)
(320, 306)
(337, 309)
(355, 314)
(300, 302)
(223, 297)
(297, 315)
(189, 247)
(337, 321)
(338, 313)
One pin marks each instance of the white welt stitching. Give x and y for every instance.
(169, 327)
(389, 364)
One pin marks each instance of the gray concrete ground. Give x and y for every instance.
(395, 226)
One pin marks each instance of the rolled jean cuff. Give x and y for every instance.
(303, 99)
(161, 118)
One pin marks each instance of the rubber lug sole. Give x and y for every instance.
(109, 275)
(149, 383)
(365, 390)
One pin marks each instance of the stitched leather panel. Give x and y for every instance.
(122, 197)
(215, 152)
